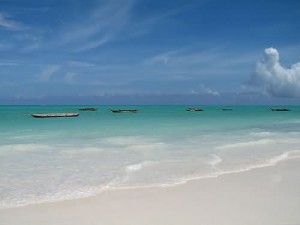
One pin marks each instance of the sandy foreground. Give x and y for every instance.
(264, 196)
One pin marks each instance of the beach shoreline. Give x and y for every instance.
(266, 195)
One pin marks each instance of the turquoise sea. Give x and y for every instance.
(43, 160)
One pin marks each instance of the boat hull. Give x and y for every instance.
(53, 115)
(124, 110)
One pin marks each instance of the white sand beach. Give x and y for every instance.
(263, 196)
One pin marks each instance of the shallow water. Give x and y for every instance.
(64, 158)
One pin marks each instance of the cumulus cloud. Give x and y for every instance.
(271, 78)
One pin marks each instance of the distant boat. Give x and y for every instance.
(88, 109)
(280, 109)
(226, 109)
(124, 110)
(51, 115)
(194, 109)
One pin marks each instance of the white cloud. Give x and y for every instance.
(163, 58)
(94, 44)
(271, 78)
(8, 63)
(99, 27)
(5, 46)
(70, 78)
(31, 47)
(186, 57)
(8, 23)
(6, 84)
(79, 64)
(46, 74)
(205, 90)
(110, 21)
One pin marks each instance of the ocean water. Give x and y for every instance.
(44, 160)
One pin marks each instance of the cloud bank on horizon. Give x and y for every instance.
(271, 78)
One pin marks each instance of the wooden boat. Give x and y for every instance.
(88, 109)
(280, 109)
(194, 109)
(124, 110)
(51, 115)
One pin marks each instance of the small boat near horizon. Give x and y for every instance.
(88, 109)
(52, 115)
(280, 109)
(194, 110)
(124, 110)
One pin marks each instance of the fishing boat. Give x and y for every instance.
(51, 115)
(194, 109)
(280, 109)
(124, 110)
(88, 109)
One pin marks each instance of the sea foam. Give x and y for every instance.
(137, 166)
(215, 160)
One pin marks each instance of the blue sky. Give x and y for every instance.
(149, 51)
